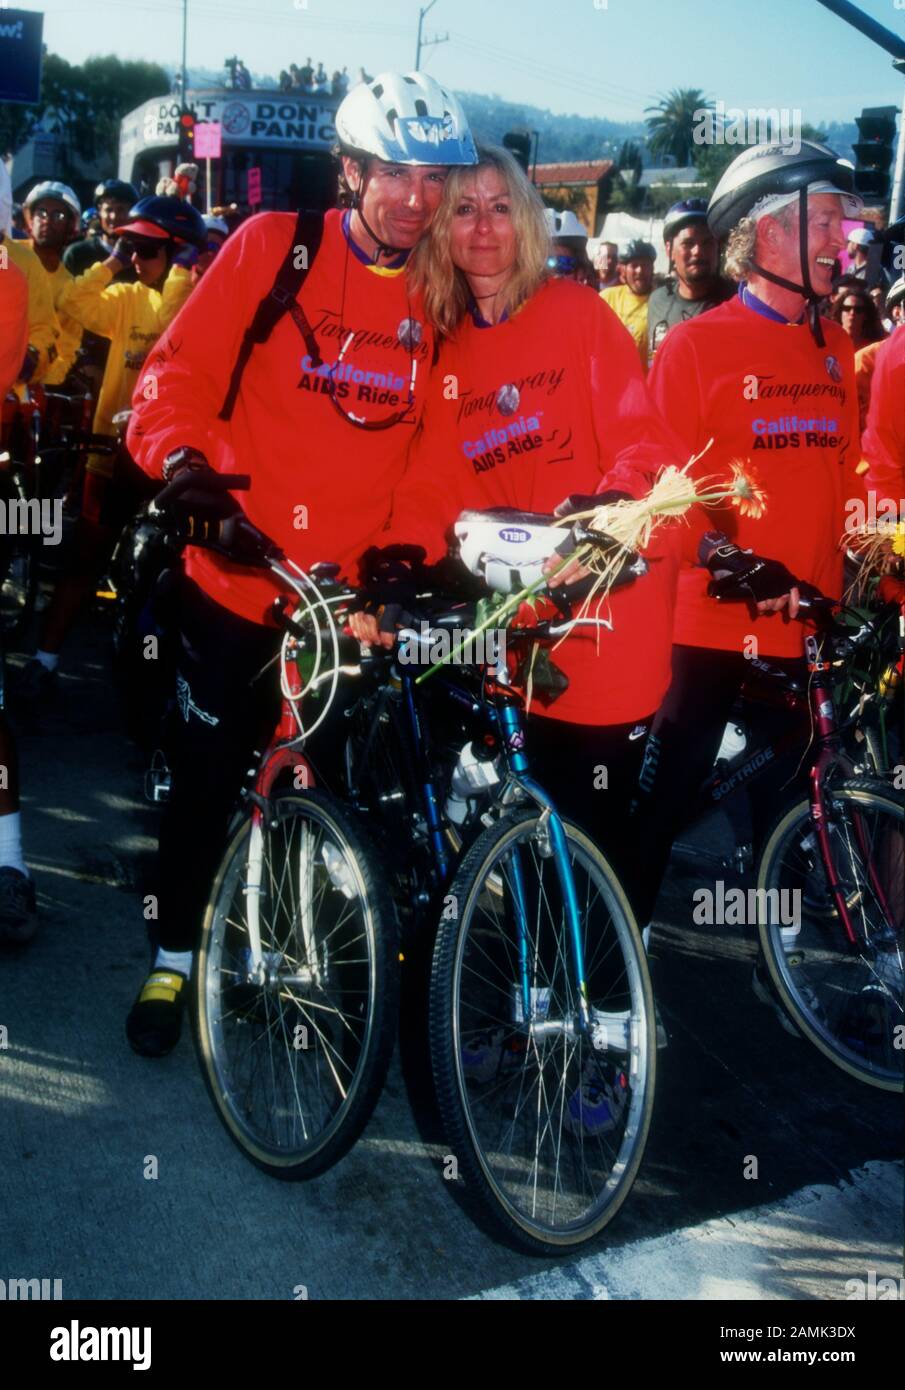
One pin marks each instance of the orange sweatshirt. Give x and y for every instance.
(883, 444)
(765, 394)
(320, 487)
(583, 423)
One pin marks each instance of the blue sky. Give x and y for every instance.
(568, 55)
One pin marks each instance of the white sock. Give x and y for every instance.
(49, 660)
(11, 842)
(174, 960)
(645, 937)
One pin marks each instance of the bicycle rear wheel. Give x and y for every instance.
(846, 999)
(295, 1063)
(548, 1120)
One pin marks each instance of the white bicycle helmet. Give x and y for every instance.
(52, 188)
(564, 226)
(405, 118)
(507, 548)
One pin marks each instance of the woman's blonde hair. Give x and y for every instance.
(430, 267)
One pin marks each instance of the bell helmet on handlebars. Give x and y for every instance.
(507, 548)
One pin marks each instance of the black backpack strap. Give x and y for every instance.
(280, 300)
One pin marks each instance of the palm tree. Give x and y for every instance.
(672, 127)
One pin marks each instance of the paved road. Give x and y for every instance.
(81, 1112)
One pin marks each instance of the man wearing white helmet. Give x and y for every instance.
(52, 216)
(762, 382)
(318, 406)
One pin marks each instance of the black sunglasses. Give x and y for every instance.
(144, 250)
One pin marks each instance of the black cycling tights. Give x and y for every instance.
(227, 708)
(683, 744)
(591, 772)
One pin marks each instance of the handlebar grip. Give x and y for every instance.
(202, 478)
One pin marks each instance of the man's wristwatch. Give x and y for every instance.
(183, 457)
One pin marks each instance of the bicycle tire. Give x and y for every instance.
(353, 1036)
(462, 1102)
(19, 558)
(812, 1012)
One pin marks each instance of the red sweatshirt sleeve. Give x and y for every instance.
(883, 444)
(191, 364)
(13, 324)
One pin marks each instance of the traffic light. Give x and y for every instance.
(186, 137)
(518, 143)
(874, 152)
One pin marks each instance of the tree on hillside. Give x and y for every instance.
(83, 104)
(672, 126)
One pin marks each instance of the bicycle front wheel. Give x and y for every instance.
(546, 1104)
(295, 1058)
(847, 999)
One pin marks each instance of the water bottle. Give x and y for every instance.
(472, 776)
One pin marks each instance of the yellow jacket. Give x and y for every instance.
(631, 308)
(43, 325)
(70, 331)
(133, 318)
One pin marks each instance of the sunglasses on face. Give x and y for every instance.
(144, 250)
(854, 308)
(52, 214)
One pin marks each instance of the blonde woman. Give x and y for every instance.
(538, 394)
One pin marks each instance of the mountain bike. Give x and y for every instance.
(295, 982)
(541, 1021)
(838, 854)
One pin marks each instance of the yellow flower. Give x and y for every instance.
(747, 491)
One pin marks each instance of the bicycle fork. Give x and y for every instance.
(552, 842)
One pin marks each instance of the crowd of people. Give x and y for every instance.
(314, 81)
(576, 383)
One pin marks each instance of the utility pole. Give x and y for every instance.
(895, 45)
(426, 43)
(185, 25)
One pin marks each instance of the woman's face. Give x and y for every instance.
(851, 315)
(482, 235)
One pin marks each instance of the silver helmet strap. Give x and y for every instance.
(805, 288)
(383, 247)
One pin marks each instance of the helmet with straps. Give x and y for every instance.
(774, 172)
(683, 214)
(405, 118)
(507, 548)
(116, 190)
(158, 215)
(52, 188)
(636, 250)
(769, 177)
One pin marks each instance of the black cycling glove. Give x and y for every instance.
(587, 501)
(198, 511)
(740, 574)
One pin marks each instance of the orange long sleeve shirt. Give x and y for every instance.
(13, 325)
(883, 443)
(583, 423)
(766, 394)
(320, 487)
